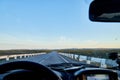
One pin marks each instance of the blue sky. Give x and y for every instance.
(41, 24)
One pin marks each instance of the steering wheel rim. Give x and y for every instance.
(27, 65)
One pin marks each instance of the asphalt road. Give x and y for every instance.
(50, 58)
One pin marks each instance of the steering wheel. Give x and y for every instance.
(25, 70)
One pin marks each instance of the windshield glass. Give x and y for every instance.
(54, 24)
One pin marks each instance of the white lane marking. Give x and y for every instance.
(44, 59)
(64, 59)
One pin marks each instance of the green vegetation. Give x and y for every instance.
(100, 53)
(12, 52)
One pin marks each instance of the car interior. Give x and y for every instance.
(105, 11)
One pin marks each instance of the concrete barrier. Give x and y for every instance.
(76, 56)
(89, 60)
(81, 58)
(111, 63)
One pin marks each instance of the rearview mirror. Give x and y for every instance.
(105, 11)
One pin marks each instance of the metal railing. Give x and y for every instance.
(18, 56)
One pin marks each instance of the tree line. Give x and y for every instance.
(100, 53)
(22, 51)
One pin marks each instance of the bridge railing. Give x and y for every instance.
(18, 56)
(92, 60)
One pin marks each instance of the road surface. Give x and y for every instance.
(51, 58)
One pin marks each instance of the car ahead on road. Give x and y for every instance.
(100, 10)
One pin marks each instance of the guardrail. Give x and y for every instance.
(92, 60)
(19, 56)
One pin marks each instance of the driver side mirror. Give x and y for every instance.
(105, 11)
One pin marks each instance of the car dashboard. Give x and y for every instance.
(24, 70)
(85, 72)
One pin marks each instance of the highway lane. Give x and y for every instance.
(53, 58)
(46, 59)
(50, 58)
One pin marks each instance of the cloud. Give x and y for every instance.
(63, 39)
(15, 42)
(67, 42)
(91, 42)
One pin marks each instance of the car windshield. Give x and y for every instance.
(29, 27)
